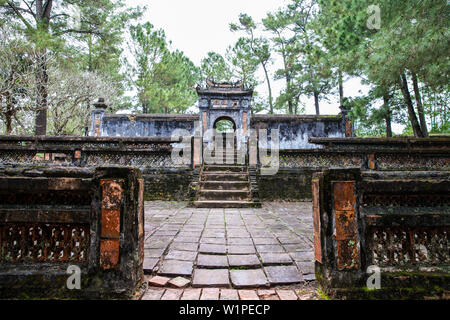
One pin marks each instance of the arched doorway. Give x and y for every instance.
(224, 125)
(225, 132)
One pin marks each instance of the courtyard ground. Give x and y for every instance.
(264, 253)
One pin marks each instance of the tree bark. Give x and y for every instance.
(420, 110)
(341, 89)
(388, 119)
(9, 112)
(412, 114)
(41, 94)
(42, 25)
(316, 102)
(269, 88)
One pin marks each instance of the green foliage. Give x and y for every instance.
(412, 41)
(243, 62)
(164, 79)
(215, 68)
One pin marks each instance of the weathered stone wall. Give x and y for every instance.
(293, 180)
(153, 125)
(53, 218)
(165, 180)
(397, 222)
(287, 184)
(296, 130)
(169, 184)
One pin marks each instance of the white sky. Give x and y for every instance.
(199, 26)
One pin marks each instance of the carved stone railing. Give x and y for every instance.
(392, 154)
(54, 220)
(88, 151)
(398, 222)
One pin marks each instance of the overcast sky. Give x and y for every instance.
(199, 26)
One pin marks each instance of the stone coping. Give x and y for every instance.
(80, 139)
(288, 117)
(403, 141)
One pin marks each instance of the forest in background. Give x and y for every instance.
(58, 57)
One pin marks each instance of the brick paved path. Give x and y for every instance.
(265, 253)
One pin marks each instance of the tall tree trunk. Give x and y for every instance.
(412, 114)
(387, 117)
(8, 113)
(42, 21)
(341, 89)
(41, 94)
(420, 110)
(288, 90)
(316, 102)
(269, 88)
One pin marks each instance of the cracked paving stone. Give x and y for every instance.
(210, 294)
(187, 239)
(172, 294)
(181, 255)
(237, 234)
(309, 277)
(248, 295)
(213, 248)
(305, 267)
(304, 256)
(179, 282)
(296, 247)
(283, 275)
(153, 253)
(234, 249)
(150, 264)
(267, 294)
(243, 261)
(290, 240)
(156, 244)
(176, 268)
(153, 294)
(212, 261)
(213, 241)
(259, 241)
(287, 295)
(184, 246)
(191, 294)
(275, 258)
(248, 278)
(211, 278)
(240, 241)
(158, 281)
(269, 248)
(229, 294)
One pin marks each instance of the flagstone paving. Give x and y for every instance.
(232, 249)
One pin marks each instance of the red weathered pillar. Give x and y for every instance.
(112, 193)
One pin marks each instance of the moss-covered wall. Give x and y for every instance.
(287, 185)
(168, 184)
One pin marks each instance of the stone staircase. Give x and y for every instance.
(226, 186)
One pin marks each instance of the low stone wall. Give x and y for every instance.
(54, 220)
(392, 224)
(164, 179)
(293, 180)
(295, 130)
(287, 184)
(169, 184)
(146, 125)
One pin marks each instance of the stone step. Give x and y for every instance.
(222, 176)
(224, 185)
(229, 195)
(225, 168)
(225, 161)
(226, 204)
